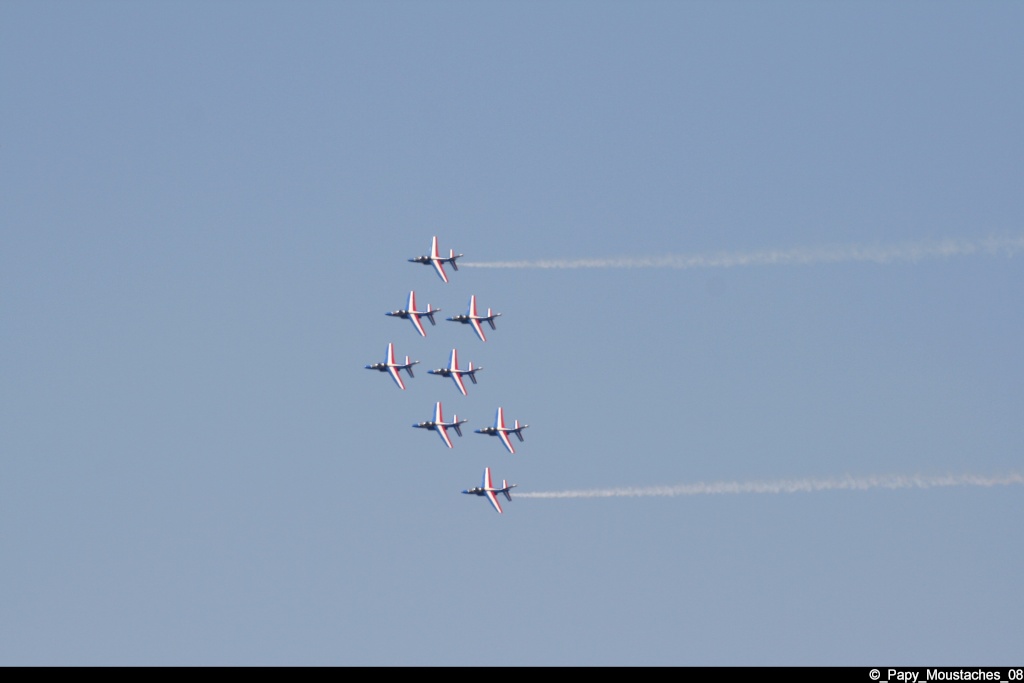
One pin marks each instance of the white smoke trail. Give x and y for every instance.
(914, 251)
(893, 481)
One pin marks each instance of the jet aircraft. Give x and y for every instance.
(394, 369)
(435, 259)
(440, 426)
(410, 313)
(501, 431)
(489, 490)
(473, 318)
(455, 372)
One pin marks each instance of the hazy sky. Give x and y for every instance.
(759, 271)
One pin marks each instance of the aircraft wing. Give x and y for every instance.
(443, 431)
(494, 500)
(439, 267)
(459, 383)
(393, 371)
(505, 440)
(477, 328)
(417, 324)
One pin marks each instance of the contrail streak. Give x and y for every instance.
(849, 483)
(914, 251)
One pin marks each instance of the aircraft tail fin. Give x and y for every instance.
(457, 427)
(505, 489)
(452, 257)
(408, 366)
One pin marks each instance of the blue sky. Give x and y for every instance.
(208, 207)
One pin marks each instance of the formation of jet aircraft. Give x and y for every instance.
(391, 367)
(473, 318)
(456, 373)
(501, 431)
(488, 490)
(438, 424)
(435, 259)
(410, 313)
